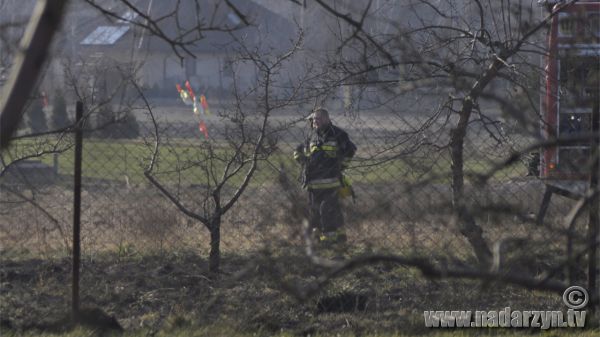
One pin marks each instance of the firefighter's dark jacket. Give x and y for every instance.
(324, 156)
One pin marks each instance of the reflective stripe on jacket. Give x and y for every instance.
(317, 184)
(326, 153)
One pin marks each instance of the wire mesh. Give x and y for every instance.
(403, 205)
(401, 176)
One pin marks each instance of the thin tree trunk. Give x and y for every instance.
(214, 259)
(466, 222)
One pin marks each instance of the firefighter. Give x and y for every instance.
(323, 157)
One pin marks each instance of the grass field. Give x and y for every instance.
(185, 161)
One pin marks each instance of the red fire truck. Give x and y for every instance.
(572, 86)
(571, 99)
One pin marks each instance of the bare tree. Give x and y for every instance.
(462, 57)
(87, 82)
(227, 167)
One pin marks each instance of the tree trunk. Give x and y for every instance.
(466, 222)
(214, 259)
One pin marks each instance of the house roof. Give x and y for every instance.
(105, 35)
(210, 26)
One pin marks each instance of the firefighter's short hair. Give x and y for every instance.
(319, 110)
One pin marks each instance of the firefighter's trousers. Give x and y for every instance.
(325, 212)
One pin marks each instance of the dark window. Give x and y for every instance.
(573, 123)
(579, 81)
(592, 25)
(574, 160)
(190, 67)
(567, 26)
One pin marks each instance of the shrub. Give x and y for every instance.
(37, 117)
(60, 118)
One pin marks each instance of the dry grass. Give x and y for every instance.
(173, 292)
(145, 263)
(404, 221)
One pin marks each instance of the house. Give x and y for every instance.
(203, 35)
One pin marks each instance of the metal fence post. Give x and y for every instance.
(77, 209)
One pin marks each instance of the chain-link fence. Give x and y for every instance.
(402, 205)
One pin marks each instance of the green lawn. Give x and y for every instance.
(186, 162)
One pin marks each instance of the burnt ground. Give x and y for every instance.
(251, 293)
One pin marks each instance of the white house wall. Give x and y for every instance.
(208, 70)
(172, 70)
(211, 73)
(152, 72)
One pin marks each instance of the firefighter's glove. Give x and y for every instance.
(299, 154)
(346, 190)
